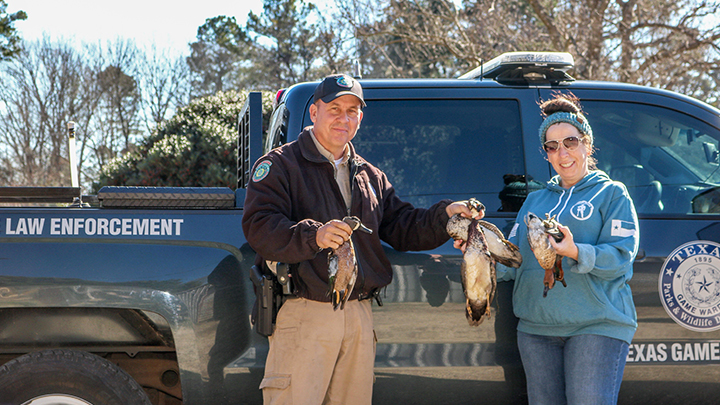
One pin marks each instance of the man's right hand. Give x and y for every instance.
(333, 234)
(460, 244)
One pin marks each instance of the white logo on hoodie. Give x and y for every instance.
(582, 210)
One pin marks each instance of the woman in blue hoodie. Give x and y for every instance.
(574, 342)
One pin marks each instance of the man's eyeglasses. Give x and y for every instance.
(570, 143)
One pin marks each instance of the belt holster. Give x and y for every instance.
(271, 291)
(374, 293)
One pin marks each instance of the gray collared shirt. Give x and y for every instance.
(342, 169)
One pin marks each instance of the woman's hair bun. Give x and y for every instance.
(562, 103)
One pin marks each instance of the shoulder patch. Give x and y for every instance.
(262, 170)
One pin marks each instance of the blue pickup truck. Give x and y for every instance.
(143, 296)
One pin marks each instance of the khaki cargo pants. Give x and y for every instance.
(319, 355)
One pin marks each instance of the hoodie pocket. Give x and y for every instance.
(572, 305)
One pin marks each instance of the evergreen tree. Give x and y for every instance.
(217, 57)
(120, 102)
(289, 42)
(195, 148)
(9, 39)
(286, 41)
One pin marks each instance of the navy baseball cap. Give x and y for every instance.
(335, 86)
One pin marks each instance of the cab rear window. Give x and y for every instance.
(434, 149)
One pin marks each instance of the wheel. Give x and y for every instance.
(67, 377)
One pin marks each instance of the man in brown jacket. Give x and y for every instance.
(295, 201)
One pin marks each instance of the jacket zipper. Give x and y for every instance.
(353, 178)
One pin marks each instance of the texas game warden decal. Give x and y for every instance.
(690, 286)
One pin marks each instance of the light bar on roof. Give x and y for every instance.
(512, 60)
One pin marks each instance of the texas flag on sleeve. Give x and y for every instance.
(622, 229)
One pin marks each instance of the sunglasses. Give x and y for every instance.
(570, 143)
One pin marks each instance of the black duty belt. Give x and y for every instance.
(374, 293)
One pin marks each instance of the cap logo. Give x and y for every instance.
(343, 81)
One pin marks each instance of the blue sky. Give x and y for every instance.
(166, 24)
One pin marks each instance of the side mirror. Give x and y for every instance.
(707, 202)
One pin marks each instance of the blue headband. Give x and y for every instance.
(570, 118)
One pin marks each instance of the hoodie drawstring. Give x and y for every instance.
(558, 203)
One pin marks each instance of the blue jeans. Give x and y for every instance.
(583, 369)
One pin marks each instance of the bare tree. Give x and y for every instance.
(654, 42)
(165, 85)
(437, 38)
(51, 83)
(117, 126)
(669, 44)
(335, 50)
(44, 87)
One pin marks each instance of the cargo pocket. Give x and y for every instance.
(277, 381)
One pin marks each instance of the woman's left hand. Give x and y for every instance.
(567, 246)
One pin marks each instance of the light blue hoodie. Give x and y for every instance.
(597, 299)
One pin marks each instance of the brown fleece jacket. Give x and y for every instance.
(293, 192)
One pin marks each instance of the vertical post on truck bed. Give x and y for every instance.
(71, 154)
(249, 137)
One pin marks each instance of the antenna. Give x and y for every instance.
(71, 152)
(358, 69)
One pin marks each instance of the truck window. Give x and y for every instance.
(434, 149)
(667, 160)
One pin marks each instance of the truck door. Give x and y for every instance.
(665, 150)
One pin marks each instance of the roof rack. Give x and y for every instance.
(525, 67)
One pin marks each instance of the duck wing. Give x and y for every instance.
(502, 250)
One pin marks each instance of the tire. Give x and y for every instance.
(67, 377)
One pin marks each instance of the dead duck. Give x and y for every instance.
(342, 266)
(485, 245)
(550, 261)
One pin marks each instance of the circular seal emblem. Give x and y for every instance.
(262, 170)
(582, 210)
(689, 285)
